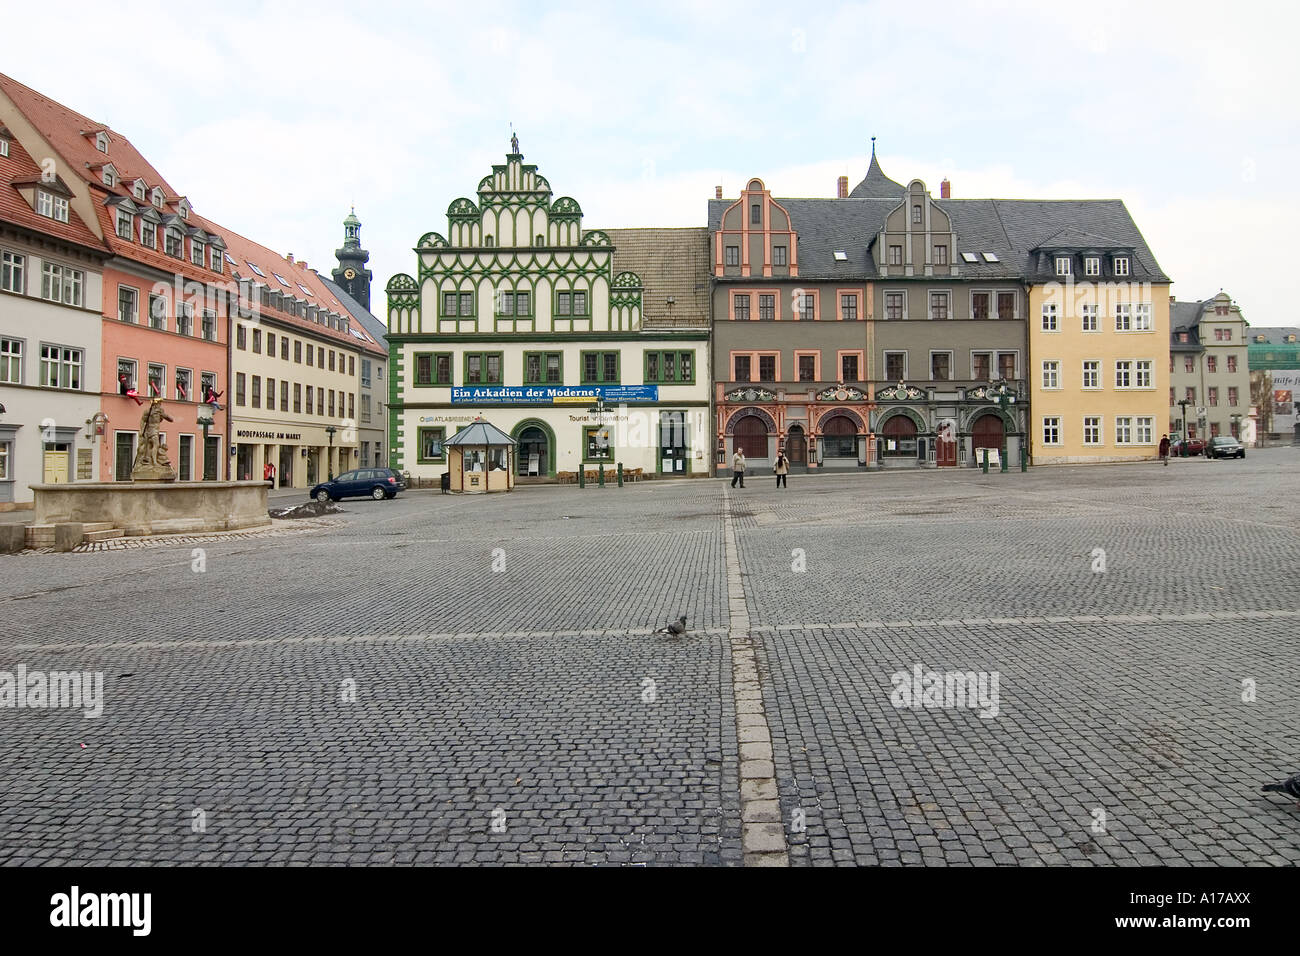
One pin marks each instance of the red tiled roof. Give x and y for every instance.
(19, 166)
(65, 131)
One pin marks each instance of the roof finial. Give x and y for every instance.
(514, 139)
(873, 147)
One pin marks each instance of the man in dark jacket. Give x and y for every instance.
(1164, 449)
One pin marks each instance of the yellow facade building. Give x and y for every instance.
(1098, 371)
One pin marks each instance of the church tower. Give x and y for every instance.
(352, 273)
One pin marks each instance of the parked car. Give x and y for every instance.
(377, 483)
(1224, 446)
(1182, 447)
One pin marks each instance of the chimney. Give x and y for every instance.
(945, 189)
(288, 257)
(842, 188)
(717, 192)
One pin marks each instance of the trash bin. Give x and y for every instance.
(444, 481)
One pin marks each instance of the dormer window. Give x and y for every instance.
(109, 176)
(216, 260)
(175, 243)
(1121, 265)
(183, 207)
(4, 146)
(158, 197)
(1062, 265)
(125, 224)
(148, 234)
(138, 190)
(197, 252)
(1092, 266)
(101, 141)
(51, 206)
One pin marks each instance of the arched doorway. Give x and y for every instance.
(839, 438)
(796, 446)
(987, 431)
(534, 454)
(898, 437)
(750, 437)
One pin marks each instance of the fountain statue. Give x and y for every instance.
(151, 462)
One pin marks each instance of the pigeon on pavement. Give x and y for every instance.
(677, 628)
(1291, 785)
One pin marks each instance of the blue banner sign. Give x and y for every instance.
(553, 394)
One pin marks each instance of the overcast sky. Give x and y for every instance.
(273, 118)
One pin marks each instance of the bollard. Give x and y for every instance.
(1024, 457)
(985, 464)
(582, 475)
(620, 474)
(1003, 459)
(600, 475)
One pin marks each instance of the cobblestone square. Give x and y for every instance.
(476, 679)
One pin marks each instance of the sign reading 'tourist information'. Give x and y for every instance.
(553, 394)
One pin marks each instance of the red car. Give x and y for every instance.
(1184, 447)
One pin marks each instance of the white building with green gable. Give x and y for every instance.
(520, 316)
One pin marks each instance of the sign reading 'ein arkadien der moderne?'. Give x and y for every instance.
(553, 394)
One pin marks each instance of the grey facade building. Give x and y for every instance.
(372, 391)
(1209, 368)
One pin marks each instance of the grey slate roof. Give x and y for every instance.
(1275, 335)
(479, 434)
(876, 185)
(376, 327)
(1186, 316)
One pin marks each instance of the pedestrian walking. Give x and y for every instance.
(268, 473)
(782, 469)
(1164, 449)
(738, 469)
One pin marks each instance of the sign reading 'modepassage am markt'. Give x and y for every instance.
(554, 394)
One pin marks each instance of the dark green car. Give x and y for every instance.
(1224, 446)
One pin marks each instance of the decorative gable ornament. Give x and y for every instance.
(840, 393)
(750, 395)
(899, 393)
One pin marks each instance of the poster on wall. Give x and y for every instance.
(1286, 392)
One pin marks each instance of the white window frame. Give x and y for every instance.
(993, 364)
(4, 146)
(1094, 373)
(1063, 265)
(1121, 265)
(13, 264)
(1123, 317)
(1124, 366)
(135, 303)
(1144, 427)
(1091, 317)
(14, 353)
(1050, 318)
(151, 241)
(198, 255)
(902, 352)
(1052, 422)
(951, 367)
(138, 191)
(1143, 373)
(125, 224)
(65, 357)
(1092, 265)
(1124, 430)
(1051, 371)
(887, 293)
(1142, 317)
(929, 303)
(157, 197)
(217, 260)
(1098, 429)
(70, 283)
(177, 391)
(162, 380)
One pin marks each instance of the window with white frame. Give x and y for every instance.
(51, 206)
(1124, 430)
(184, 318)
(1142, 317)
(148, 234)
(125, 224)
(1142, 373)
(1051, 430)
(11, 361)
(157, 375)
(60, 366)
(157, 197)
(1090, 317)
(1123, 318)
(4, 146)
(184, 385)
(1062, 265)
(138, 190)
(128, 304)
(1049, 317)
(1145, 429)
(1092, 430)
(1121, 265)
(1051, 374)
(1091, 374)
(13, 272)
(1092, 266)
(62, 284)
(1123, 374)
(197, 256)
(175, 243)
(939, 305)
(217, 263)
(6, 447)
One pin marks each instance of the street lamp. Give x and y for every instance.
(1183, 403)
(1006, 399)
(1236, 426)
(205, 422)
(330, 430)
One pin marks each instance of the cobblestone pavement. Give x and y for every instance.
(512, 705)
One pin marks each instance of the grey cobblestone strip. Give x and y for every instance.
(1188, 618)
(763, 835)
